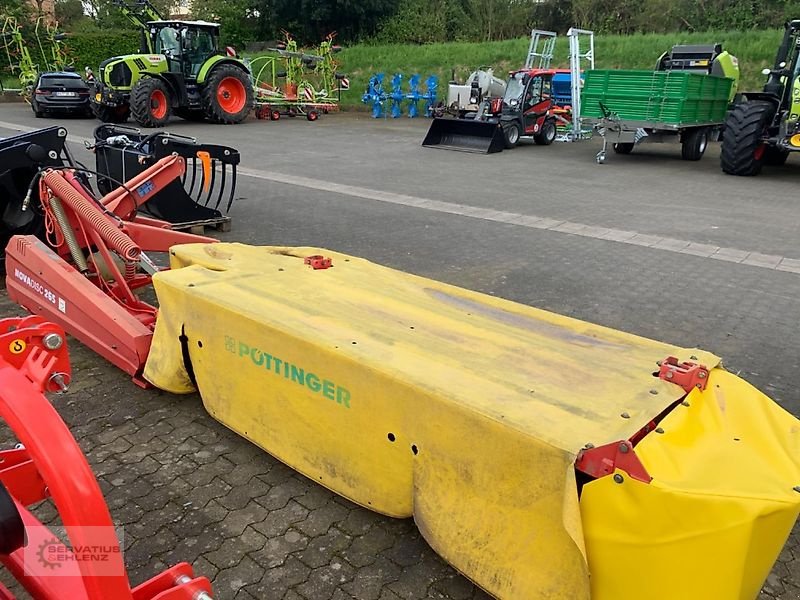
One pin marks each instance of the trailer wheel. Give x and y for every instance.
(547, 134)
(623, 147)
(694, 143)
(775, 157)
(743, 146)
(151, 104)
(275, 115)
(312, 115)
(227, 95)
(511, 135)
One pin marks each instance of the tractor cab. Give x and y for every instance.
(187, 45)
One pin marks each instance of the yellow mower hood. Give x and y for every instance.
(413, 397)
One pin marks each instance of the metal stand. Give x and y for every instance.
(577, 59)
(541, 59)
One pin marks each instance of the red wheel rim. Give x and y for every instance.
(231, 95)
(158, 104)
(759, 153)
(312, 116)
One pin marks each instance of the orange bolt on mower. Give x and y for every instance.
(47, 463)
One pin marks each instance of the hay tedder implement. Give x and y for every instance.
(540, 455)
(47, 464)
(291, 82)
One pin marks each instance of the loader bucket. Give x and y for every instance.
(465, 135)
(21, 156)
(540, 455)
(206, 190)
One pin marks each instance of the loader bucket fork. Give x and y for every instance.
(466, 135)
(205, 191)
(21, 157)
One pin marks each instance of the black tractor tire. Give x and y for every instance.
(743, 147)
(775, 157)
(694, 143)
(623, 147)
(547, 134)
(227, 95)
(151, 103)
(111, 114)
(511, 134)
(188, 114)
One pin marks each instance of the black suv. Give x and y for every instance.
(60, 92)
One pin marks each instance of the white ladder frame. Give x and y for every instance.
(545, 57)
(576, 59)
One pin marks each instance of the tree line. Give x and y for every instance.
(424, 21)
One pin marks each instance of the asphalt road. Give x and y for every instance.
(646, 243)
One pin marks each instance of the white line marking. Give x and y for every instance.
(748, 257)
(751, 258)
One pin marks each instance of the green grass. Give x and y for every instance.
(8, 82)
(755, 50)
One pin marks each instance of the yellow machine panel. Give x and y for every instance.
(413, 397)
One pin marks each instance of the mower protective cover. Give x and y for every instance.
(477, 416)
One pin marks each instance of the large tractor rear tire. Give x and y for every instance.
(227, 95)
(743, 146)
(111, 114)
(150, 102)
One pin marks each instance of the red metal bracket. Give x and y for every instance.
(688, 375)
(603, 460)
(317, 261)
(50, 463)
(38, 350)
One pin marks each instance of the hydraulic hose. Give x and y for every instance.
(116, 239)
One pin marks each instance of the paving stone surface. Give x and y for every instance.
(186, 488)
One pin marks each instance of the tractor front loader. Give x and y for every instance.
(764, 127)
(540, 455)
(180, 70)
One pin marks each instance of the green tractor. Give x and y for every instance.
(180, 70)
(764, 127)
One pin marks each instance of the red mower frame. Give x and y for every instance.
(87, 285)
(49, 464)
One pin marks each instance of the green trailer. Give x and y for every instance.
(687, 100)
